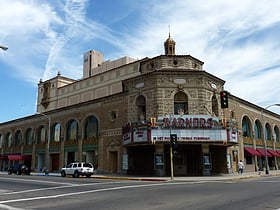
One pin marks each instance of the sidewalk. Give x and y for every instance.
(221, 177)
(232, 176)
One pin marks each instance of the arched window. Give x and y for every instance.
(215, 105)
(276, 134)
(18, 138)
(8, 139)
(72, 130)
(180, 103)
(246, 127)
(91, 127)
(56, 135)
(258, 129)
(29, 136)
(141, 107)
(268, 134)
(41, 135)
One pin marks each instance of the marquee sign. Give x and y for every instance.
(190, 135)
(188, 122)
(188, 128)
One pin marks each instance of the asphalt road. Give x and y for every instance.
(45, 192)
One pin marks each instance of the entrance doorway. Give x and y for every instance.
(193, 160)
(70, 157)
(187, 160)
(219, 160)
(113, 161)
(141, 160)
(55, 162)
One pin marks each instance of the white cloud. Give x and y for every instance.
(237, 40)
(45, 38)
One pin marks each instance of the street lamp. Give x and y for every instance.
(48, 144)
(3, 47)
(265, 138)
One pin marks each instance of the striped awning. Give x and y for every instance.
(273, 152)
(252, 151)
(262, 152)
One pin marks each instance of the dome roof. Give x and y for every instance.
(170, 40)
(169, 46)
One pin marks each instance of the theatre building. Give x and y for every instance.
(123, 114)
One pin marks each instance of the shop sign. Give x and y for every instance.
(159, 161)
(190, 121)
(127, 138)
(140, 135)
(232, 136)
(190, 135)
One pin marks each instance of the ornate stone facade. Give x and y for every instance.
(91, 119)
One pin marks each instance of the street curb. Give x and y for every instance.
(166, 179)
(255, 176)
(109, 177)
(131, 178)
(42, 174)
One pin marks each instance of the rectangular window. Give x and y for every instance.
(179, 108)
(249, 160)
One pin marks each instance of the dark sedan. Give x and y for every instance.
(19, 169)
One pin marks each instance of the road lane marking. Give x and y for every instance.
(35, 190)
(58, 187)
(86, 184)
(6, 207)
(39, 181)
(90, 191)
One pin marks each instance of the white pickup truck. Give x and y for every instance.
(78, 169)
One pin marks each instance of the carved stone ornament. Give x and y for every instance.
(46, 95)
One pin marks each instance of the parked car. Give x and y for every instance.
(19, 169)
(78, 169)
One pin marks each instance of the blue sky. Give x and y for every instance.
(237, 39)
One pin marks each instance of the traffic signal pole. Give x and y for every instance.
(171, 151)
(171, 162)
(173, 142)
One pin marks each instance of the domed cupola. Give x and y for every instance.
(169, 46)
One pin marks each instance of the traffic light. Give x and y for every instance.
(173, 140)
(224, 99)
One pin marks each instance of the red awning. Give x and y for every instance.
(19, 157)
(274, 153)
(262, 152)
(252, 151)
(14, 157)
(26, 157)
(3, 157)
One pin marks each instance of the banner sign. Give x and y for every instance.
(190, 135)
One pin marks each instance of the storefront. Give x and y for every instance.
(9, 160)
(200, 149)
